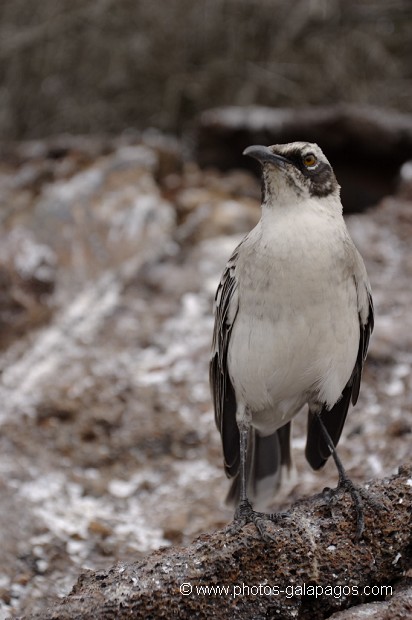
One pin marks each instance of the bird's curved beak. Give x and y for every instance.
(264, 155)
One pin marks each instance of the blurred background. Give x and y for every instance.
(83, 66)
(122, 194)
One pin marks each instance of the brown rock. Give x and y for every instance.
(314, 549)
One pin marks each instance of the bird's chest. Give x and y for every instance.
(297, 317)
(287, 274)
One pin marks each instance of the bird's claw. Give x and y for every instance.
(245, 514)
(360, 496)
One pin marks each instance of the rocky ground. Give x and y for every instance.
(110, 254)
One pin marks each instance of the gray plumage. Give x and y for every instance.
(293, 316)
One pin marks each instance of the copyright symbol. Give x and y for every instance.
(186, 589)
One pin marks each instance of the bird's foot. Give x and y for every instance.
(360, 497)
(245, 514)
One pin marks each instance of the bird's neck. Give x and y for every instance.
(309, 218)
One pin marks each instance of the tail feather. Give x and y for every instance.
(317, 450)
(266, 458)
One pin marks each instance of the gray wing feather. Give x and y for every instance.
(317, 451)
(223, 394)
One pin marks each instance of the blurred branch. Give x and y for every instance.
(14, 41)
(83, 66)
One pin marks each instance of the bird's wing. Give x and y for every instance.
(317, 451)
(223, 394)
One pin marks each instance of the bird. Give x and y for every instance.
(293, 319)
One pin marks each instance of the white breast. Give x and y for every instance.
(296, 334)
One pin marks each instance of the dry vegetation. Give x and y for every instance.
(92, 66)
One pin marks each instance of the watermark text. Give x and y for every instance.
(292, 591)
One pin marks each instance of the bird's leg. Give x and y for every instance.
(346, 483)
(244, 512)
(244, 432)
(244, 509)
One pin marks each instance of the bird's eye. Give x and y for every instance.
(310, 160)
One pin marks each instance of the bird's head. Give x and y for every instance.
(294, 172)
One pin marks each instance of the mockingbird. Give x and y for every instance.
(293, 316)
